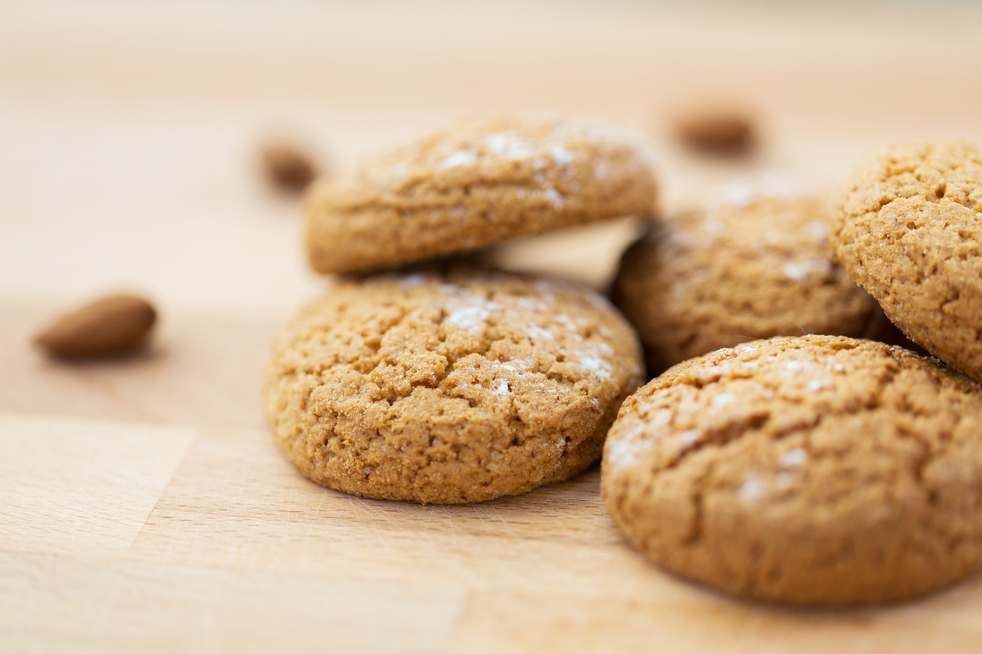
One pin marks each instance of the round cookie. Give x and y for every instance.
(909, 231)
(446, 388)
(753, 262)
(478, 183)
(808, 470)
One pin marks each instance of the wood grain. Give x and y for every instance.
(61, 482)
(143, 505)
(90, 605)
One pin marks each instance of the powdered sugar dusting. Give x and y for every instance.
(742, 191)
(553, 197)
(412, 281)
(603, 347)
(459, 158)
(662, 419)
(712, 225)
(722, 400)
(623, 450)
(502, 388)
(516, 366)
(620, 453)
(600, 169)
(566, 322)
(798, 271)
(818, 230)
(471, 317)
(796, 457)
(750, 489)
(596, 365)
(561, 155)
(752, 346)
(507, 146)
(690, 437)
(784, 480)
(538, 333)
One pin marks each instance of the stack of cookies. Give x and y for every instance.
(456, 384)
(771, 464)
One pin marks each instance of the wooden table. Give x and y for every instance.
(143, 505)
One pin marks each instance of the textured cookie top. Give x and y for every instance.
(447, 388)
(909, 231)
(753, 262)
(815, 469)
(480, 182)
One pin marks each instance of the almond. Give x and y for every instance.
(108, 325)
(721, 130)
(287, 167)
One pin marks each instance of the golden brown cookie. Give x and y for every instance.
(753, 262)
(455, 387)
(478, 183)
(809, 470)
(909, 231)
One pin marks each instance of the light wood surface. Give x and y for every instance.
(143, 505)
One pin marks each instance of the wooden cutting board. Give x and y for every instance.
(143, 505)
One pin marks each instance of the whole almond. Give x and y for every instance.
(109, 325)
(287, 167)
(721, 130)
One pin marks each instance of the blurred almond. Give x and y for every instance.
(287, 167)
(721, 130)
(109, 325)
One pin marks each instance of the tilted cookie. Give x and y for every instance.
(752, 262)
(478, 183)
(909, 231)
(809, 470)
(447, 388)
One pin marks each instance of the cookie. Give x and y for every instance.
(808, 470)
(481, 182)
(909, 230)
(752, 262)
(449, 387)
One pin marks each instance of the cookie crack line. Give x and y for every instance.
(755, 424)
(925, 457)
(482, 347)
(693, 538)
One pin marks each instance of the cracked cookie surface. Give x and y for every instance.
(809, 470)
(753, 262)
(909, 231)
(480, 182)
(454, 387)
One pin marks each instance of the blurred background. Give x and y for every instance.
(129, 131)
(143, 504)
